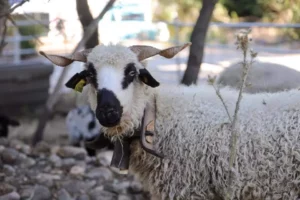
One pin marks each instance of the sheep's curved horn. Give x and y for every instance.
(66, 60)
(143, 51)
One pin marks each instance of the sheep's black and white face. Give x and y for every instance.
(115, 78)
(114, 75)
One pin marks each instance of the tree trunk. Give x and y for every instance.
(86, 18)
(198, 41)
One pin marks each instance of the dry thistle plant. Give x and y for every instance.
(243, 44)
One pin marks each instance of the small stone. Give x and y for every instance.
(63, 195)
(16, 144)
(77, 170)
(74, 186)
(124, 197)
(67, 163)
(26, 191)
(55, 160)
(100, 173)
(40, 193)
(2, 148)
(72, 152)
(9, 156)
(47, 179)
(42, 147)
(8, 170)
(4, 141)
(135, 187)
(98, 194)
(83, 197)
(26, 162)
(10, 196)
(104, 158)
(5, 189)
(26, 149)
(118, 187)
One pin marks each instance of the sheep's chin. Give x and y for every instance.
(124, 128)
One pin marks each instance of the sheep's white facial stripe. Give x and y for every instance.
(110, 78)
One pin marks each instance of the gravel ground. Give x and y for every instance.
(62, 172)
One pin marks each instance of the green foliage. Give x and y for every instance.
(243, 8)
(32, 30)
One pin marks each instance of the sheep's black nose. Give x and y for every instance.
(109, 110)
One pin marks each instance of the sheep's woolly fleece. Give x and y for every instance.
(193, 134)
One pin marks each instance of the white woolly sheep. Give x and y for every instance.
(263, 77)
(192, 131)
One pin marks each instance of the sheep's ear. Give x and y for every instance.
(78, 81)
(143, 51)
(67, 60)
(147, 78)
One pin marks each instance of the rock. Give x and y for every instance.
(10, 196)
(47, 179)
(4, 141)
(135, 187)
(100, 194)
(104, 158)
(100, 173)
(26, 161)
(26, 191)
(63, 195)
(74, 186)
(77, 170)
(72, 152)
(40, 193)
(9, 156)
(17, 144)
(6, 189)
(67, 163)
(117, 187)
(42, 147)
(83, 197)
(2, 148)
(124, 197)
(55, 160)
(8, 170)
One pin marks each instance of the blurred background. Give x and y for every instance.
(32, 90)
(28, 81)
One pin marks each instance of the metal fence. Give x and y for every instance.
(16, 51)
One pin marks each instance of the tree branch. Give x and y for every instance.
(12, 9)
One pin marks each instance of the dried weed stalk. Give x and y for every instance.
(242, 43)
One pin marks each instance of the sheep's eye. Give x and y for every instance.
(132, 73)
(129, 74)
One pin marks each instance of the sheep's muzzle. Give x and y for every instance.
(109, 109)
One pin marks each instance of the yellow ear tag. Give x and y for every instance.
(79, 86)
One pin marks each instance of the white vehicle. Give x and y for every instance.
(131, 21)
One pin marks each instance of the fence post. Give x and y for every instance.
(17, 48)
